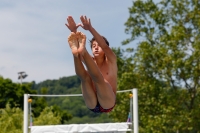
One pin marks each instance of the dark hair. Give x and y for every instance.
(93, 39)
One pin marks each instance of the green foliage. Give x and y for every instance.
(103, 118)
(47, 117)
(60, 86)
(126, 80)
(39, 103)
(165, 66)
(65, 116)
(13, 93)
(11, 120)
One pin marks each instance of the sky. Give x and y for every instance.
(33, 35)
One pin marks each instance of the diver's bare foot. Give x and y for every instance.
(81, 40)
(73, 43)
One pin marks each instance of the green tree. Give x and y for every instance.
(47, 117)
(13, 93)
(39, 103)
(11, 120)
(126, 80)
(165, 66)
(65, 116)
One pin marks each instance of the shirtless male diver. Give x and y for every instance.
(99, 79)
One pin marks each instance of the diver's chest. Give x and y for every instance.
(106, 71)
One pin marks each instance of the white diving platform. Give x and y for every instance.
(122, 127)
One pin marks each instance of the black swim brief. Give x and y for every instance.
(99, 109)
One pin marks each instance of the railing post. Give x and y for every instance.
(135, 111)
(25, 113)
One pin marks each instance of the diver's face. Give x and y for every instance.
(96, 49)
